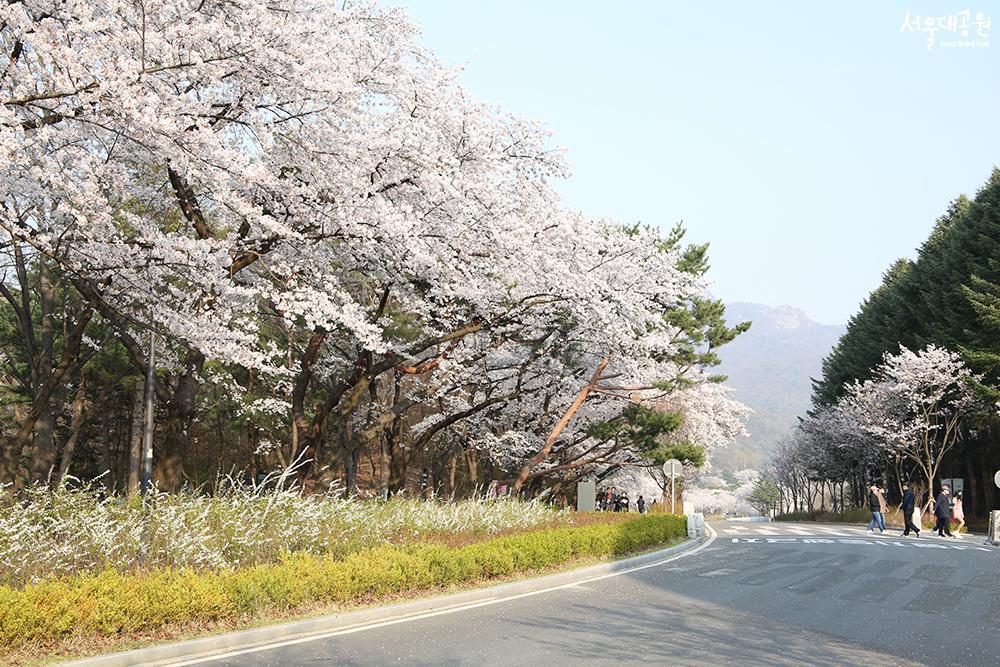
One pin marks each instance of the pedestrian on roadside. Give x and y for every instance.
(883, 508)
(942, 511)
(616, 500)
(876, 509)
(623, 500)
(958, 513)
(640, 504)
(909, 501)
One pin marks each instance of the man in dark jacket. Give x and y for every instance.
(909, 502)
(942, 510)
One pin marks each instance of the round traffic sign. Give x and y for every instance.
(673, 467)
(996, 478)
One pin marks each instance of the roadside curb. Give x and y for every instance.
(197, 650)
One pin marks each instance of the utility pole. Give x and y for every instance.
(146, 478)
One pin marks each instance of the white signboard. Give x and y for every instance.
(586, 495)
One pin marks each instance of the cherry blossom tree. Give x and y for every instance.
(327, 232)
(914, 405)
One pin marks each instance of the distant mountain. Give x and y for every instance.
(770, 367)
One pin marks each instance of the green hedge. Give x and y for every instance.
(113, 603)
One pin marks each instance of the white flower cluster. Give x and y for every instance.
(70, 531)
(223, 170)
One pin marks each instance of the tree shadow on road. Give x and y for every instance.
(680, 630)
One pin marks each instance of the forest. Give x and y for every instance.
(910, 392)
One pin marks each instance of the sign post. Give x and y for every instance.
(993, 532)
(672, 468)
(146, 475)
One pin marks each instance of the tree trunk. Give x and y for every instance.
(969, 499)
(76, 424)
(452, 470)
(135, 438)
(472, 463)
(181, 410)
(43, 451)
(525, 472)
(106, 434)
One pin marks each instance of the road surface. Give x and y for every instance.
(759, 594)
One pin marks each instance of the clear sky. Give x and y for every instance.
(810, 145)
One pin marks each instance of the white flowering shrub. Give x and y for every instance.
(46, 534)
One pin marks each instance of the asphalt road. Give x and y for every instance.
(760, 594)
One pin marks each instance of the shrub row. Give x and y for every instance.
(115, 603)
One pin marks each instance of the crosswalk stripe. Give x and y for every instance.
(767, 531)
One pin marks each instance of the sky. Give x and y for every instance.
(811, 146)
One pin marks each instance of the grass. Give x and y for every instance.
(115, 606)
(48, 534)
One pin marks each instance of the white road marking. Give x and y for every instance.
(766, 531)
(718, 573)
(440, 612)
(921, 544)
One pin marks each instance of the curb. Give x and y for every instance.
(196, 650)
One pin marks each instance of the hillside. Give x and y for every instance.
(770, 367)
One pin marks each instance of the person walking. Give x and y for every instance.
(640, 504)
(876, 509)
(906, 507)
(942, 511)
(958, 513)
(883, 507)
(616, 500)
